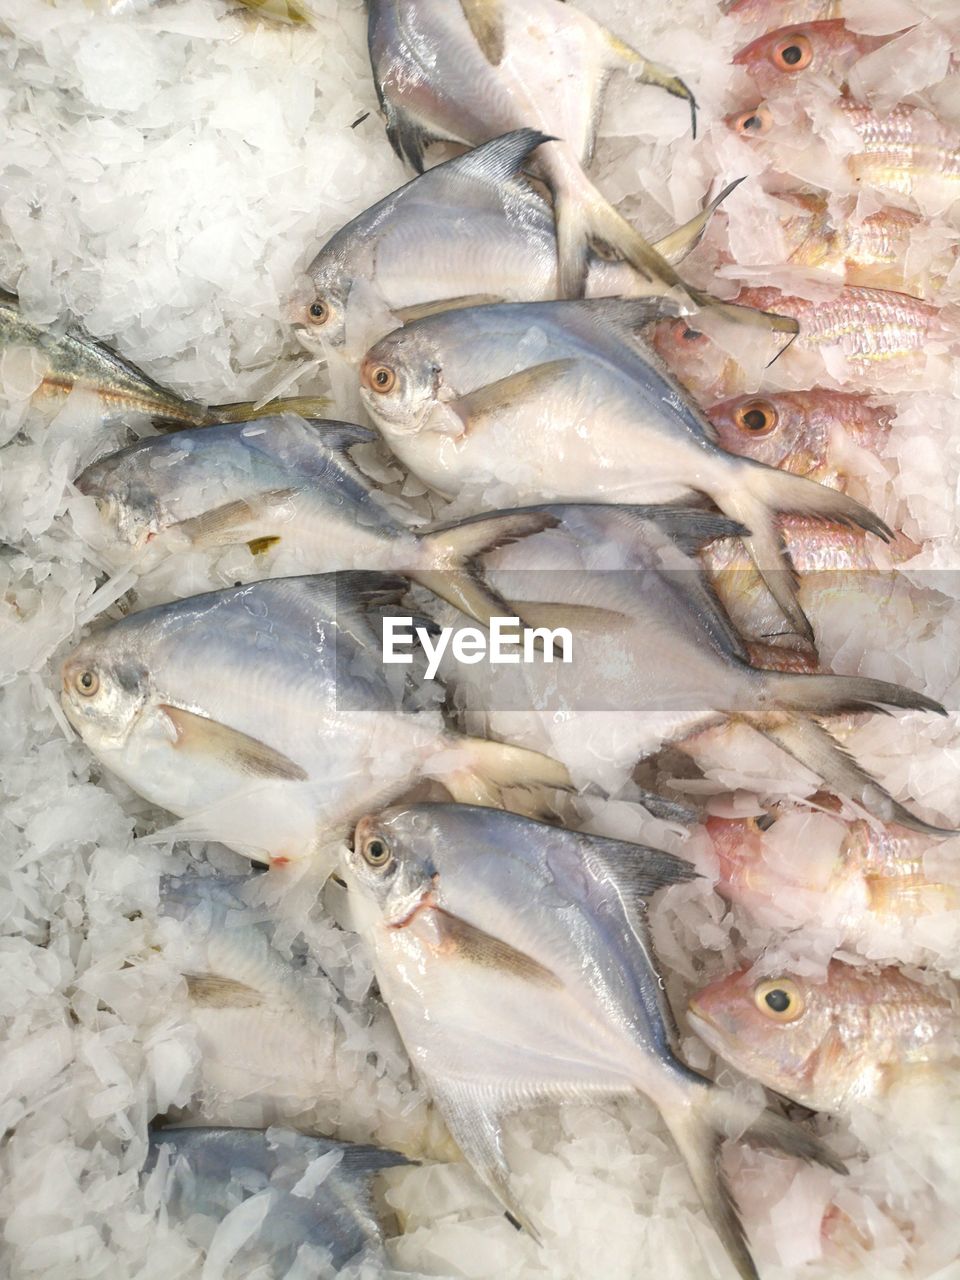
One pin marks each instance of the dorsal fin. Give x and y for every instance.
(500, 159)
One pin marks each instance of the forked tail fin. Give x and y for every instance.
(498, 776)
(699, 1131)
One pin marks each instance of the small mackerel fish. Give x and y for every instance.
(516, 961)
(63, 359)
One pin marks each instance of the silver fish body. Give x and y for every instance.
(285, 484)
(558, 401)
(486, 232)
(515, 959)
(263, 716)
(472, 71)
(213, 1171)
(655, 660)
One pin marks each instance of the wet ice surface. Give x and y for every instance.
(166, 175)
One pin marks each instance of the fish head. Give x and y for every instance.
(755, 122)
(320, 321)
(400, 379)
(775, 429)
(389, 868)
(770, 1028)
(779, 58)
(104, 689)
(738, 846)
(126, 503)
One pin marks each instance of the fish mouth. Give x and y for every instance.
(703, 1025)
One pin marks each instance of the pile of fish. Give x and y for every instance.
(666, 860)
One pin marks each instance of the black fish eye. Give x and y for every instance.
(753, 122)
(319, 311)
(777, 1000)
(755, 419)
(88, 682)
(792, 55)
(376, 853)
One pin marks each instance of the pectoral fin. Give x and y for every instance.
(213, 992)
(472, 408)
(474, 946)
(421, 310)
(474, 1123)
(486, 22)
(198, 735)
(234, 522)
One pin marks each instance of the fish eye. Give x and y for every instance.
(794, 53)
(686, 334)
(319, 312)
(376, 852)
(87, 682)
(382, 379)
(756, 417)
(754, 123)
(779, 999)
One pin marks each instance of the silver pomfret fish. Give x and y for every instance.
(264, 717)
(487, 232)
(515, 959)
(656, 660)
(283, 481)
(214, 1171)
(559, 401)
(469, 72)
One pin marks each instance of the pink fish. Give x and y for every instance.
(829, 1044)
(829, 49)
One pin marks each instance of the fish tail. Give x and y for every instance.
(586, 217)
(699, 1130)
(699, 1140)
(675, 246)
(798, 697)
(453, 550)
(767, 493)
(499, 776)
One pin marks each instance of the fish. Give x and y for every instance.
(840, 579)
(856, 336)
(657, 661)
(468, 72)
(905, 152)
(284, 482)
(829, 239)
(65, 359)
(817, 433)
(264, 717)
(517, 963)
(852, 873)
(510, 254)
(558, 401)
(827, 48)
(274, 1037)
(830, 1044)
(303, 1202)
